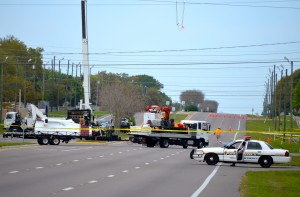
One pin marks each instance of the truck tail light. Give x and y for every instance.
(286, 154)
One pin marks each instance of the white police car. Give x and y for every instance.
(255, 151)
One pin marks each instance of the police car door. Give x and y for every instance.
(252, 152)
(230, 151)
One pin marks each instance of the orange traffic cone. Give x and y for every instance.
(269, 140)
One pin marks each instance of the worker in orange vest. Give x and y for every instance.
(218, 135)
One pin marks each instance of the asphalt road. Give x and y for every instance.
(113, 169)
(118, 169)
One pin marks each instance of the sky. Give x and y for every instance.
(224, 48)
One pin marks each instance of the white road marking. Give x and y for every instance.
(101, 156)
(40, 167)
(93, 181)
(168, 156)
(125, 171)
(68, 188)
(110, 176)
(147, 163)
(89, 158)
(137, 167)
(111, 154)
(172, 154)
(75, 160)
(75, 149)
(239, 125)
(120, 152)
(58, 164)
(235, 135)
(13, 172)
(205, 183)
(134, 149)
(162, 158)
(154, 160)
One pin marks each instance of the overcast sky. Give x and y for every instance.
(223, 48)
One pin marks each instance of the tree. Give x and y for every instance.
(192, 97)
(210, 106)
(121, 101)
(296, 98)
(147, 81)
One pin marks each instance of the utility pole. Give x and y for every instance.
(25, 81)
(280, 96)
(291, 94)
(291, 98)
(85, 58)
(285, 95)
(275, 79)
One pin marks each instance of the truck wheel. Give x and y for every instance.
(39, 141)
(265, 161)
(200, 144)
(184, 144)
(150, 143)
(211, 159)
(164, 143)
(45, 140)
(55, 141)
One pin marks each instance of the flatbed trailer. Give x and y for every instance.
(54, 138)
(166, 139)
(191, 135)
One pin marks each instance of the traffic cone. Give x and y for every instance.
(269, 140)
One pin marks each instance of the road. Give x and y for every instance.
(116, 169)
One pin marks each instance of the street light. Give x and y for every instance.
(2, 81)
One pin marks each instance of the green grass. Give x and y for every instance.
(64, 113)
(270, 183)
(178, 117)
(14, 143)
(256, 128)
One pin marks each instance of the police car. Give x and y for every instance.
(255, 151)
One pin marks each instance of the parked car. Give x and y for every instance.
(125, 125)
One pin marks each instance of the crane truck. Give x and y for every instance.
(164, 132)
(36, 125)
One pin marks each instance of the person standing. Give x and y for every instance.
(240, 153)
(218, 135)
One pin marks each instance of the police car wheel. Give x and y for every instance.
(265, 161)
(211, 159)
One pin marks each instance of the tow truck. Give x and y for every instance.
(164, 132)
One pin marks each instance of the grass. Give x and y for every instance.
(270, 183)
(257, 129)
(14, 143)
(64, 113)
